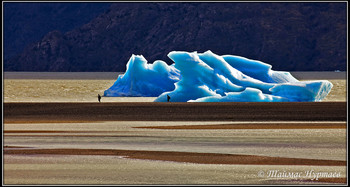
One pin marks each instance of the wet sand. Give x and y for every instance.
(198, 158)
(208, 143)
(244, 111)
(281, 125)
(97, 170)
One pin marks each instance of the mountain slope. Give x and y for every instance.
(25, 23)
(289, 36)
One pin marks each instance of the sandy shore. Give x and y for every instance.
(45, 136)
(244, 111)
(300, 125)
(199, 158)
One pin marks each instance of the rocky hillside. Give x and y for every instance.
(289, 36)
(25, 23)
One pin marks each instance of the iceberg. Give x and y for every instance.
(207, 77)
(144, 80)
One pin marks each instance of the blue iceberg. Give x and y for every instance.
(207, 77)
(144, 80)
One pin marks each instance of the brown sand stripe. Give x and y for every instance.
(153, 111)
(9, 146)
(200, 158)
(332, 180)
(15, 121)
(46, 131)
(256, 126)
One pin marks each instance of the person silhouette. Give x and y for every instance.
(99, 98)
(168, 97)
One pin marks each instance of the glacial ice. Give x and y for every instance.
(207, 77)
(142, 79)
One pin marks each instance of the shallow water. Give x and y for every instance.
(84, 87)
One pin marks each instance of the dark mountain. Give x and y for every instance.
(25, 23)
(289, 36)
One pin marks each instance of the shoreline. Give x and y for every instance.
(21, 121)
(299, 125)
(153, 111)
(189, 157)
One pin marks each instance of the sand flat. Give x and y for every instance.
(199, 158)
(122, 143)
(150, 111)
(252, 125)
(58, 112)
(318, 143)
(84, 169)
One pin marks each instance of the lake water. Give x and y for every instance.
(85, 86)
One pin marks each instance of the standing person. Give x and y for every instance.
(168, 97)
(99, 98)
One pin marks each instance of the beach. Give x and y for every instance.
(56, 132)
(238, 138)
(152, 111)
